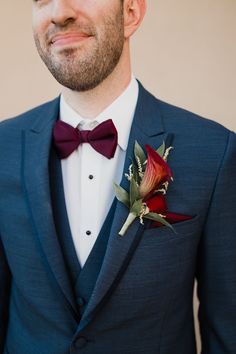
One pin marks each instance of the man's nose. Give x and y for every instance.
(63, 11)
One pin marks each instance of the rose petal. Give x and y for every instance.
(172, 218)
(157, 172)
(157, 204)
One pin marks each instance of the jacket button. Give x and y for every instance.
(81, 301)
(81, 342)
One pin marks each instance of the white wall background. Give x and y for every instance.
(185, 53)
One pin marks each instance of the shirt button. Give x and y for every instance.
(91, 177)
(81, 301)
(88, 232)
(81, 342)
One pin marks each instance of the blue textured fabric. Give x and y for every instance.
(61, 218)
(82, 280)
(88, 275)
(142, 298)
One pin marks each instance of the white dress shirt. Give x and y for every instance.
(88, 176)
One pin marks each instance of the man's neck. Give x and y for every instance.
(91, 103)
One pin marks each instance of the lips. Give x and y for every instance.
(68, 38)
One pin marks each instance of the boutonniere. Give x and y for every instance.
(149, 176)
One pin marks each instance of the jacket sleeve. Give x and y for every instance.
(216, 269)
(5, 283)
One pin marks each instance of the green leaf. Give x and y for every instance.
(122, 195)
(137, 207)
(139, 153)
(161, 149)
(157, 217)
(134, 191)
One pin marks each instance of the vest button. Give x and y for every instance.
(81, 301)
(81, 342)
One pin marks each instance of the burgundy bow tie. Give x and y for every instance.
(103, 138)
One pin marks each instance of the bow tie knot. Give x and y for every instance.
(84, 136)
(103, 138)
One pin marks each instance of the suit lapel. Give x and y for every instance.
(36, 145)
(147, 128)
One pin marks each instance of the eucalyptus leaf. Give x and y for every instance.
(122, 195)
(161, 149)
(134, 191)
(137, 207)
(158, 218)
(139, 153)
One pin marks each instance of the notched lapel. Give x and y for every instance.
(147, 128)
(36, 144)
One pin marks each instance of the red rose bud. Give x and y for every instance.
(157, 204)
(157, 172)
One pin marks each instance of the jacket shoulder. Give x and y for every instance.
(205, 140)
(180, 121)
(27, 119)
(189, 123)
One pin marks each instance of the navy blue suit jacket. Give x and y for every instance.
(142, 300)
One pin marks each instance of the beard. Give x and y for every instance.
(83, 68)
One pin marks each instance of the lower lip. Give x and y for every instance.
(69, 40)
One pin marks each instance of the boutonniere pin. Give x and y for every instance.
(149, 177)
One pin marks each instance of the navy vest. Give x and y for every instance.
(82, 280)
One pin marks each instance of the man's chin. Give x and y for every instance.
(64, 52)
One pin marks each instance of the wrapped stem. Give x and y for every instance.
(131, 217)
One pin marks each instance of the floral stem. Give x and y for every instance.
(131, 217)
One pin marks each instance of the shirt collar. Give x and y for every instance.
(121, 111)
